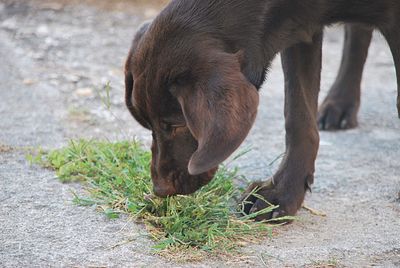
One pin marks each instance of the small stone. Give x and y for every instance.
(72, 78)
(60, 54)
(50, 42)
(38, 56)
(42, 30)
(53, 76)
(54, 83)
(28, 81)
(84, 92)
(10, 24)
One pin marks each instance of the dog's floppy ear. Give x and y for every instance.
(219, 113)
(129, 81)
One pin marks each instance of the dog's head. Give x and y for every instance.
(192, 95)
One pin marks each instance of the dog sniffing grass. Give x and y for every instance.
(118, 181)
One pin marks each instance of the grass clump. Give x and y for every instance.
(118, 179)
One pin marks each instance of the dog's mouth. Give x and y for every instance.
(181, 183)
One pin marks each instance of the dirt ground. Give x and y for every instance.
(56, 58)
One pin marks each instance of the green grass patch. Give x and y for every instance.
(118, 181)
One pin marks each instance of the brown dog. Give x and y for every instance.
(192, 77)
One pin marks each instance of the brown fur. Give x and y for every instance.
(192, 77)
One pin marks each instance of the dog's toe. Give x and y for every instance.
(335, 115)
(258, 197)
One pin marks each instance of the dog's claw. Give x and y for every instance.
(259, 196)
(336, 115)
(258, 206)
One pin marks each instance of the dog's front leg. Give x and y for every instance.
(340, 107)
(302, 67)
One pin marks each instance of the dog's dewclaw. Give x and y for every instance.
(314, 211)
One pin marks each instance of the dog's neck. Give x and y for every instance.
(269, 28)
(286, 23)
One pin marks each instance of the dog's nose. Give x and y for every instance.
(163, 190)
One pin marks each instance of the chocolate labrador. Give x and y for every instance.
(192, 77)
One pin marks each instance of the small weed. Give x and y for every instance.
(34, 156)
(79, 115)
(330, 263)
(118, 179)
(104, 95)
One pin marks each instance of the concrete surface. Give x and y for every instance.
(56, 56)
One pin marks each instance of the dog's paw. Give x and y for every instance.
(337, 115)
(261, 195)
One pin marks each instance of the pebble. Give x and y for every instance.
(10, 24)
(53, 76)
(36, 55)
(28, 81)
(84, 92)
(42, 30)
(54, 83)
(72, 78)
(50, 42)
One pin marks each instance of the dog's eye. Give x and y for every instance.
(164, 126)
(178, 126)
(170, 126)
(179, 81)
